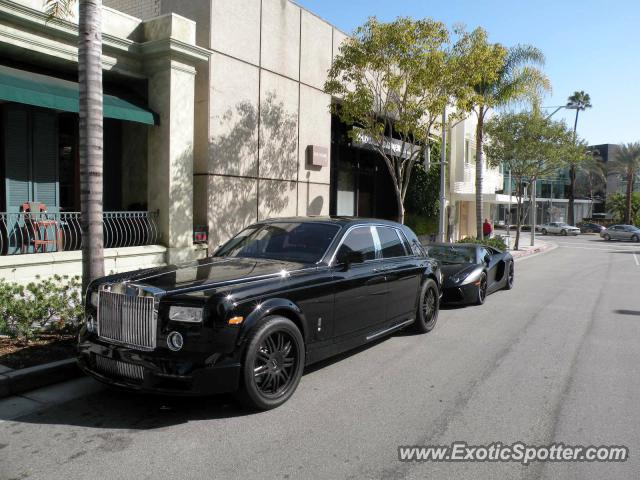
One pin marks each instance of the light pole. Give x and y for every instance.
(443, 163)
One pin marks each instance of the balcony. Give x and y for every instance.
(43, 232)
(492, 180)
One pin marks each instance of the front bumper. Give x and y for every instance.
(159, 373)
(460, 295)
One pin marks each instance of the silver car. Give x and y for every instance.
(621, 232)
(559, 228)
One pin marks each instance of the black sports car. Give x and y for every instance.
(471, 271)
(280, 295)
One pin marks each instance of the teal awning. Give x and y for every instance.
(49, 92)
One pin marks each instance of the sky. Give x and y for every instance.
(590, 45)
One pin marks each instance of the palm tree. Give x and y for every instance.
(515, 78)
(579, 101)
(91, 119)
(627, 164)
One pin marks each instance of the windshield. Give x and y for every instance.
(292, 241)
(452, 254)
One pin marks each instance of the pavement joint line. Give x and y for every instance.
(635, 257)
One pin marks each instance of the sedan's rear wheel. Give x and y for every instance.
(428, 307)
(635, 238)
(482, 289)
(563, 232)
(273, 364)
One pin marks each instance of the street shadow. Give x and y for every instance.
(628, 312)
(117, 409)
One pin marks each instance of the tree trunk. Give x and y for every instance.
(518, 222)
(91, 143)
(479, 135)
(400, 206)
(572, 190)
(627, 208)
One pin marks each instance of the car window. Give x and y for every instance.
(452, 254)
(293, 241)
(407, 245)
(390, 243)
(483, 252)
(359, 239)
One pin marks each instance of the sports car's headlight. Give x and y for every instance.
(459, 277)
(185, 314)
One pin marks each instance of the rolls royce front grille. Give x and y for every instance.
(127, 320)
(119, 369)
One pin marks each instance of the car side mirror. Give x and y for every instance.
(351, 257)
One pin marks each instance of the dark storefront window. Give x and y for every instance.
(360, 182)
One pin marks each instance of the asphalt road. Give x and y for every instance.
(554, 360)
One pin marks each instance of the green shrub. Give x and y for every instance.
(420, 224)
(495, 242)
(46, 305)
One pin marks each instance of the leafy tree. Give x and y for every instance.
(579, 101)
(590, 173)
(529, 145)
(91, 129)
(627, 164)
(617, 206)
(497, 77)
(393, 80)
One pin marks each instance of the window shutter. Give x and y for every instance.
(16, 157)
(45, 159)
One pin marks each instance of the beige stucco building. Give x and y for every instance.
(232, 93)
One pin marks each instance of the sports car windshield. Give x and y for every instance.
(452, 255)
(290, 241)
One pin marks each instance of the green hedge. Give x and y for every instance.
(495, 242)
(44, 306)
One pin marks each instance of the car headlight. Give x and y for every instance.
(185, 314)
(458, 277)
(92, 325)
(93, 299)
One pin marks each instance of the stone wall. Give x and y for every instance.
(143, 9)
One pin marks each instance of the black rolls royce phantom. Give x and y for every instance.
(280, 295)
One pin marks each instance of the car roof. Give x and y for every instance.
(449, 244)
(336, 220)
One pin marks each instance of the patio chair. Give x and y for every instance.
(42, 231)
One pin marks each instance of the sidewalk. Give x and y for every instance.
(526, 249)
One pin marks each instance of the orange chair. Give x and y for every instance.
(38, 225)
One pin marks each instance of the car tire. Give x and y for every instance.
(275, 347)
(606, 237)
(544, 231)
(634, 238)
(428, 307)
(510, 276)
(481, 295)
(563, 232)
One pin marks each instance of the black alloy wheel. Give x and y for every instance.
(510, 277)
(273, 363)
(428, 307)
(482, 289)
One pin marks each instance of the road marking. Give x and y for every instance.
(602, 249)
(635, 257)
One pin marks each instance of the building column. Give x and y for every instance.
(171, 69)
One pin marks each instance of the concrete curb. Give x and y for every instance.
(521, 254)
(25, 379)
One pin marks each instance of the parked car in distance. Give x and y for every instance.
(280, 295)
(621, 232)
(471, 271)
(588, 227)
(559, 228)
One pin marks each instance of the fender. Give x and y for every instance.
(280, 305)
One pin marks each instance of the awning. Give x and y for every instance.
(50, 92)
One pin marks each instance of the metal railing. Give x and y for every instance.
(40, 232)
